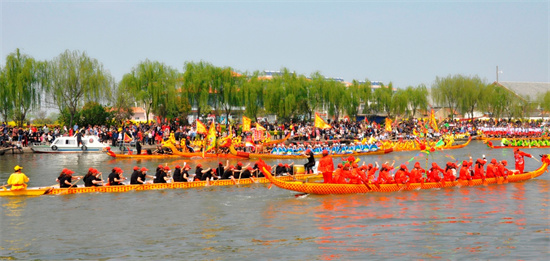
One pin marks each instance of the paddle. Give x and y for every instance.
(67, 190)
(366, 184)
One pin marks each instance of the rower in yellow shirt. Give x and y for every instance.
(18, 180)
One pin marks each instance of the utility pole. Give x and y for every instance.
(497, 73)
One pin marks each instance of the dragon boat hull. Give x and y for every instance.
(490, 145)
(273, 156)
(154, 186)
(176, 154)
(459, 146)
(25, 192)
(322, 188)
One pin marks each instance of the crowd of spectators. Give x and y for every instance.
(153, 133)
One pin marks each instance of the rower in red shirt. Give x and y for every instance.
(401, 175)
(384, 175)
(465, 170)
(326, 166)
(416, 174)
(491, 169)
(433, 174)
(449, 174)
(520, 163)
(371, 171)
(479, 172)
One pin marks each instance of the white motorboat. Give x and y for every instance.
(90, 143)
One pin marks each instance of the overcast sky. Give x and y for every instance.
(405, 42)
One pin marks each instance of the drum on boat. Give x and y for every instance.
(299, 169)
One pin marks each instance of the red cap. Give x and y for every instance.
(177, 167)
(286, 166)
(160, 166)
(231, 167)
(370, 165)
(494, 161)
(69, 172)
(220, 163)
(280, 164)
(239, 163)
(354, 165)
(403, 166)
(504, 162)
(308, 151)
(199, 165)
(91, 170)
(325, 152)
(346, 165)
(464, 163)
(64, 171)
(351, 159)
(119, 170)
(340, 165)
(166, 168)
(144, 169)
(417, 164)
(249, 168)
(136, 168)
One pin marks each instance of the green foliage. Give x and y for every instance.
(153, 84)
(93, 114)
(73, 79)
(21, 86)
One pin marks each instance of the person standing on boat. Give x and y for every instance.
(310, 162)
(78, 138)
(92, 178)
(116, 178)
(18, 180)
(326, 166)
(518, 157)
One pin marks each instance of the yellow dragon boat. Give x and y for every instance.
(55, 190)
(323, 188)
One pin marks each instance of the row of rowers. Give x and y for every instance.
(163, 174)
(351, 173)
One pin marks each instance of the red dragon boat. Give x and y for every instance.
(324, 188)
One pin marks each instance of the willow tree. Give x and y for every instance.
(252, 96)
(497, 100)
(382, 99)
(122, 102)
(544, 102)
(75, 79)
(353, 96)
(472, 91)
(335, 92)
(226, 86)
(446, 91)
(153, 84)
(417, 98)
(196, 85)
(23, 82)
(5, 98)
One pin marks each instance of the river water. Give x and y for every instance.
(250, 222)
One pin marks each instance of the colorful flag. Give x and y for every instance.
(259, 127)
(320, 123)
(200, 127)
(210, 138)
(388, 124)
(246, 124)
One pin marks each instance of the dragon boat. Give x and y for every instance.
(275, 156)
(322, 188)
(396, 147)
(492, 146)
(175, 154)
(55, 190)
